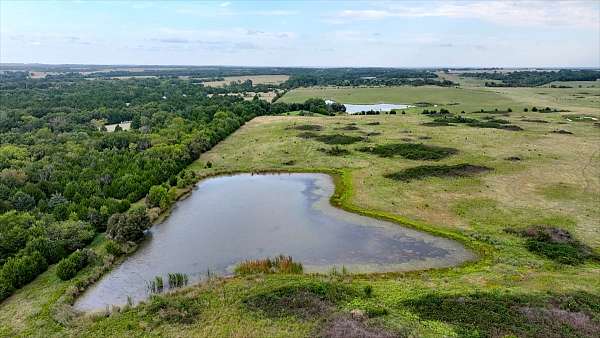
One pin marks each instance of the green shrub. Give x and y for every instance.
(68, 267)
(113, 248)
(18, 271)
(52, 251)
(424, 171)
(411, 151)
(128, 227)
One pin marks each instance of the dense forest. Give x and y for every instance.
(534, 78)
(64, 178)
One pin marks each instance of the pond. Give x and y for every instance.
(382, 107)
(229, 219)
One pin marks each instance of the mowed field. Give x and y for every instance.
(536, 177)
(256, 79)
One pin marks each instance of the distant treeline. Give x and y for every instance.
(299, 77)
(534, 78)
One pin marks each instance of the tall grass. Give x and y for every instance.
(278, 264)
(177, 280)
(156, 285)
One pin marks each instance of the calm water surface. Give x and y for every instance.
(228, 219)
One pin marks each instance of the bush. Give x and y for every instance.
(158, 196)
(113, 248)
(68, 267)
(18, 271)
(128, 227)
(52, 251)
(72, 235)
(411, 151)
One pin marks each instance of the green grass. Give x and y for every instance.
(511, 290)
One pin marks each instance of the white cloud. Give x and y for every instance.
(515, 13)
(225, 4)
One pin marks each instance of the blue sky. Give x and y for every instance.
(303, 33)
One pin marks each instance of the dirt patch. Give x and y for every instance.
(373, 133)
(411, 151)
(562, 131)
(424, 137)
(342, 326)
(307, 127)
(421, 172)
(372, 124)
(513, 158)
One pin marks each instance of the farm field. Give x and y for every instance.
(256, 79)
(535, 177)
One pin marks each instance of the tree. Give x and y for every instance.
(23, 201)
(129, 226)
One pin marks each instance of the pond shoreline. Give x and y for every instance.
(339, 199)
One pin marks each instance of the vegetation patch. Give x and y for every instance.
(513, 158)
(495, 124)
(555, 244)
(535, 120)
(307, 127)
(335, 151)
(455, 119)
(373, 123)
(373, 133)
(279, 264)
(332, 138)
(499, 314)
(437, 124)
(303, 300)
(421, 172)
(495, 112)
(562, 131)
(411, 151)
(172, 309)
(349, 127)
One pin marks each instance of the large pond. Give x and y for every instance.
(228, 219)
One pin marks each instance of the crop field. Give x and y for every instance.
(256, 79)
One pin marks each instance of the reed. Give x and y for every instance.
(177, 280)
(278, 264)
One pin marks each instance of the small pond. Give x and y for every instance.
(382, 107)
(228, 219)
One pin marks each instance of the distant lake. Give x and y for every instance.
(383, 107)
(229, 219)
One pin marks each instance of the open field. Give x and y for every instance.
(537, 177)
(256, 79)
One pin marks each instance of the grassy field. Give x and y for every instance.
(256, 79)
(537, 177)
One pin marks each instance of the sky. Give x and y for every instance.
(303, 33)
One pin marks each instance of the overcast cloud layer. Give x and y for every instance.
(307, 33)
